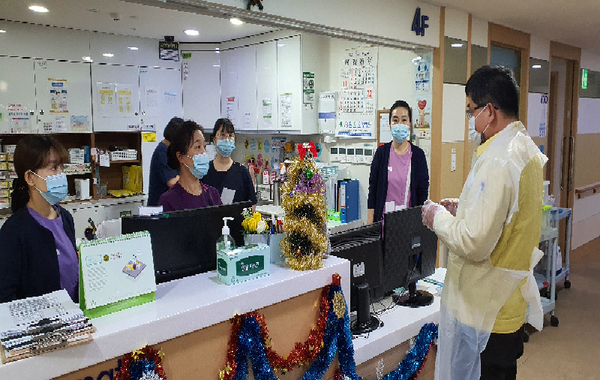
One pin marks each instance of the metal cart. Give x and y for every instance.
(549, 245)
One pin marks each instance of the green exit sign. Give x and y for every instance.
(584, 78)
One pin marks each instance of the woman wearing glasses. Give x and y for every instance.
(230, 178)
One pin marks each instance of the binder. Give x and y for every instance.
(349, 201)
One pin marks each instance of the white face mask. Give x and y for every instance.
(475, 136)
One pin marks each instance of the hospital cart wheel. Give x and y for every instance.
(567, 284)
(553, 321)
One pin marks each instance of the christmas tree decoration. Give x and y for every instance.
(303, 200)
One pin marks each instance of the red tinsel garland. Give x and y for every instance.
(148, 353)
(302, 353)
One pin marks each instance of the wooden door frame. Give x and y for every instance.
(499, 35)
(572, 55)
(552, 108)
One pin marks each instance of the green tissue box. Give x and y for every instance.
(244, 263)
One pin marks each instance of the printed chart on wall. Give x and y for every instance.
(422, 118)
(537, 114)
(58, 95)
(358, 89)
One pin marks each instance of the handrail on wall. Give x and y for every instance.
(584, 189)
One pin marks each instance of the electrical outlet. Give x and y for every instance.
(452, 162)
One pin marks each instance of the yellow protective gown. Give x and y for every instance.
(493, 249)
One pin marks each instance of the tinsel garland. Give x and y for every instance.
(414, 360)
(250, 342)
(303, 200)
(143, 364)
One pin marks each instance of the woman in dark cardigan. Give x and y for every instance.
(399, 175)
(37, 253)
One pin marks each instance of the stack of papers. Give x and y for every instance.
(39, 324)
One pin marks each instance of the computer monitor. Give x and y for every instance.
(410, 253)
(362, 246)
(184, 242)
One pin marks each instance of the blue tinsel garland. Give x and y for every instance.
(338, 338)
(416, 356)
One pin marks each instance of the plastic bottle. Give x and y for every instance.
(225, 242)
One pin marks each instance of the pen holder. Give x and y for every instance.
(274, 241)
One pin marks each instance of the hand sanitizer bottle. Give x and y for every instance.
(225, 242)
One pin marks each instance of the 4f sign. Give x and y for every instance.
(419, 23)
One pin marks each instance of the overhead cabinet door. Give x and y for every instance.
(17, 96)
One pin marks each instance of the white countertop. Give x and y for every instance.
(399, 325)
(181, 307)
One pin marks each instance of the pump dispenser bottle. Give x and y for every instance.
(225, 242)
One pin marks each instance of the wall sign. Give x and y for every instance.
(584, 79)
(168, 51)
(419, 23)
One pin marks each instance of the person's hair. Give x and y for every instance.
(495, 85)
(401, 104)
(224, 124)
(181, 141)
(171, 128)
(32, 153)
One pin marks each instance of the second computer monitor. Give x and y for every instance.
(410, 249)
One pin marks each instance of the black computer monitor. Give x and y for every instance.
(184, 242)
(410, 253)
(362, 246)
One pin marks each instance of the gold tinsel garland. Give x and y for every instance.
(313, 229)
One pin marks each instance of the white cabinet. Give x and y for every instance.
(289, 79)
(202, 87)
(245, 60)
(267, 103)
(63, 97)
(115, 97)
(229, 86)
(17, 96)
(160, 91)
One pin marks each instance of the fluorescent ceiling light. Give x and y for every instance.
(109, 55)
(133, 48)
(192, 32)
(2, 31)
(236, 21)
(87, 59)
(417, 59)
(456, 45)
(216, 65)
(536, 66)
(280, 45)
(37, 8)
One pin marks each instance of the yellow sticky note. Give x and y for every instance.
(149, 137)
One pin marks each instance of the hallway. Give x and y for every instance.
(570, 351)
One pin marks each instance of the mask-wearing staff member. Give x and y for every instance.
(37, 243)
(492, 233)
(187, 154)
(399, 175)
(162, 177)
(230, 178)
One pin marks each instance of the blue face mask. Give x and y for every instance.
(56, 188)
(201, 164)
(400, 132)
(225, 147)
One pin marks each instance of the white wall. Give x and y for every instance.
(386, 18)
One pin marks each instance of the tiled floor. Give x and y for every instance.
(571, 350)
